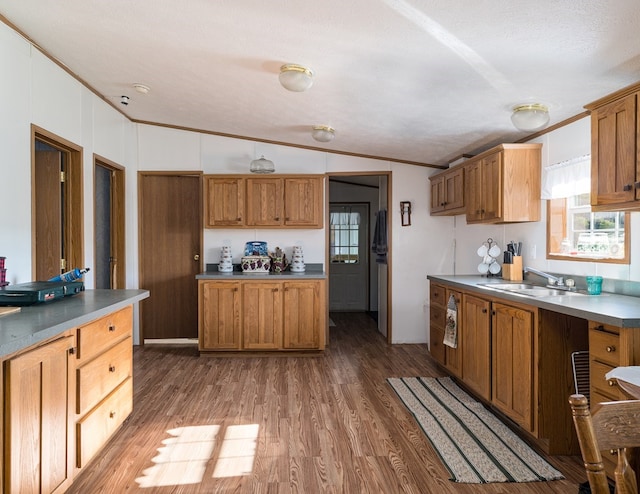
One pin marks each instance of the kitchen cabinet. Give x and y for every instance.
(502, 185)
(513, 335)
(283, 201)
(219, 317)
(476, 350)
(104, 388)
(437, 321)
(453, 356)
(615, 156)
(447, 192)
(224, 201)
(38, 430)
(262, 315)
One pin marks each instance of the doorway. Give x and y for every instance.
(109, 224)
(56, 205)
(374, 190)
(171, 229)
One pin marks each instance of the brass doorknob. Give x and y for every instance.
(196, 257)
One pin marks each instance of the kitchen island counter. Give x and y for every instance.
(37, 323)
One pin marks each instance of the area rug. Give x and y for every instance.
(473, 444)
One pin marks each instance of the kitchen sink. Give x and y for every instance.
(531, 290)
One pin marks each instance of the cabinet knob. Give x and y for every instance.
(238, 218)
(612, 382)
(196, 257)
(611, 349)
(112, 414)
(112, 328)
(72, 351)
(637, 185)
(277, 218)
(627, 187)
(112, 368)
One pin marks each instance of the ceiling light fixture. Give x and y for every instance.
(296, 77)
(530, 117)
(262, 165)
(323, 133)
(141, 88)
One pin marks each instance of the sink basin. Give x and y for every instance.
(531, 290)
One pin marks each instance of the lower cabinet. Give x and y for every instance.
(453, 356)
(261, 315)
(476, 350)
(437, 321)
(512, 330)
(38, 431)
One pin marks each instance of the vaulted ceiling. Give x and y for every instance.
(412, 80)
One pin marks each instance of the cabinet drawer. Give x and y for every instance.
(604, 347)
(99, 335)
(96, 428)
(603, 386)
(437, 317)
(437, 295)
(100, 376)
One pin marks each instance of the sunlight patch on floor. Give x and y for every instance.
(237, 452)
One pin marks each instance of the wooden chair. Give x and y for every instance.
(613, 425)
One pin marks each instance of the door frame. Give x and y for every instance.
(117, 240)
(73, 197)
(388, 175)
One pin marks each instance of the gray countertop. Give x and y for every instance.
(239, 275)
(40, 322)
(607, 308)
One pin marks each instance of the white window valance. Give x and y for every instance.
(344, 219)
(567, 178)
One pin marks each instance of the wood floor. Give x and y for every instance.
(328, 424)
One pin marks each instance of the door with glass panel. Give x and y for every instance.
(349, 257)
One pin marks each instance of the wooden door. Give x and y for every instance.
(453, 356)
(224, 201)
(453, 188)
(437, 321)
(437, 194)
(170, 245)
(492, 187)
(38, 434)
(512, 358)
(473, 192)
(264, 201)
(220, 315)
(476, 354)
(48, 214)
(305, 310)
(262, 315)
(303, 202)
(613, 136)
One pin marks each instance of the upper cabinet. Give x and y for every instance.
(282, 201)
(502, 185)
(615, 154)
(447, 192)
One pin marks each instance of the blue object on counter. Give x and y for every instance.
(73, 275)
(594, 285)
(256, 249)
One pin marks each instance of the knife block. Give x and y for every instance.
(513, 272)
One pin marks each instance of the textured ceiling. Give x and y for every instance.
(413, 80)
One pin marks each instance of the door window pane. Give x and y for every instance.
(344, 229)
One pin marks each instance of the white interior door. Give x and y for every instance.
(349, 257)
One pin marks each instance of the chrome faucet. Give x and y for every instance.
(555, 281)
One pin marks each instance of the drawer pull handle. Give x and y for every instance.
(612, 382)
(112, 368)
(112, 328)
(112, 414)
(611, 349)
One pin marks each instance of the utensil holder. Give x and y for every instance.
(513, 272)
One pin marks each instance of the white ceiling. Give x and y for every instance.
(412, 80)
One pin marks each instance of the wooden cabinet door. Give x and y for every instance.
(614, 160)
(303, 202)
(38, 434)
(264, 202)
(454, 188)
(262, 315)
(473, 192)
(491, 187)
(437, 321)
(219, 315)
(224, 201)
(304, 314)
(476, 355)
(453, 356)
(512, 358)
(437, 194)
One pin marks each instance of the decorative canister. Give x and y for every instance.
(226, 260)
(297, 260)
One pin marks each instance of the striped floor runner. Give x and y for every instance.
(473, 444)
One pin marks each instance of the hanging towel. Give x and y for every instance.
(379, 245)
(451, 325)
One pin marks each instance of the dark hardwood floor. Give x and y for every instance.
(323, 424)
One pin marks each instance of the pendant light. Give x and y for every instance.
(262, 165)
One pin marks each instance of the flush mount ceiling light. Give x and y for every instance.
(262, 165)
(323, 133)
(141, 88)
(296, 77)
(530, 117)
